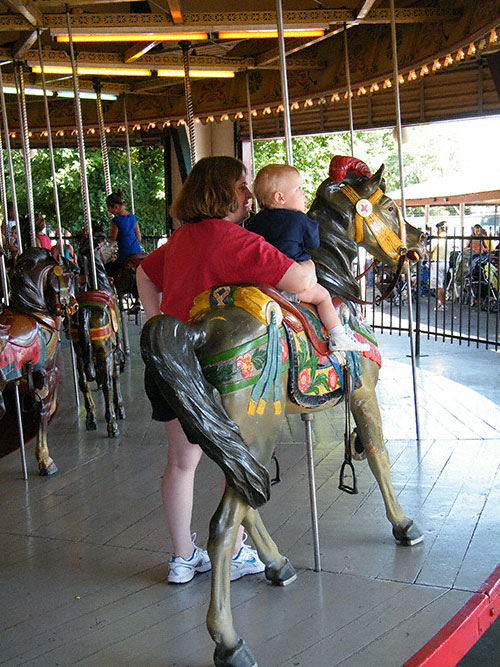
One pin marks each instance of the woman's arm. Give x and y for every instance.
(299, 277)
(114, 232)
(138, 232)
(149, 294)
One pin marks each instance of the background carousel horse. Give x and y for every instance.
(96, 335)
(218, 374)
(42, 292)
(124, 278)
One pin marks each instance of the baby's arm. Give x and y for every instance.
(311, 233)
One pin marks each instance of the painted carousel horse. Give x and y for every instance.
(247, 356)
(96, 335)
(42, 292)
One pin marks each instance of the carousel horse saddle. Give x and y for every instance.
(133, 261)
(17, 328)
(293, 342)
(103, 299)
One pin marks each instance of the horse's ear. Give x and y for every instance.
(374, 182)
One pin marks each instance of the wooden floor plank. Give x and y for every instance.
(84, 554)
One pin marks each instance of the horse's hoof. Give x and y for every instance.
(90, 424)
(120, 413)
(239, 656)
(48, 469)
(407, 536)
(113, 431)
(282, 577)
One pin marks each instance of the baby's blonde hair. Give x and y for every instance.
(269, 180)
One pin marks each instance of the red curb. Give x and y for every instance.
(459, 635)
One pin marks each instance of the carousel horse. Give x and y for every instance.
(41, 293)
(96, 335)
(248, 355)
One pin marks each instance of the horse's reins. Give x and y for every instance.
(392, 245)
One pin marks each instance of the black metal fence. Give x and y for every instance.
(470, 287)
(471, 313)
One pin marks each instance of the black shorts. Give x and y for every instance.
(162, 412)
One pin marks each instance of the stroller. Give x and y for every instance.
(481, 285)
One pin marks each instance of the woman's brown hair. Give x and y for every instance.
(209, 191)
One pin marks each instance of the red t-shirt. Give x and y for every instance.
(212, 252)
(44, 241)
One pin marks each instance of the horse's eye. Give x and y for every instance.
(391, 209)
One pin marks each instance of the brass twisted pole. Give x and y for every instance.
(81, 151)
(9, 160)
(102, 135)
(51, 149)
(189, 100)
(23, 120)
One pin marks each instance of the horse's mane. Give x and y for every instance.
(334, 257)
(27, 280)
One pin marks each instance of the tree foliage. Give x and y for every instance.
(147, 177)
(423, 157)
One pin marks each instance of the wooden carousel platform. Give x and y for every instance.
(84, 554)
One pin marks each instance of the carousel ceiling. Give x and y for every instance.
(137, 52)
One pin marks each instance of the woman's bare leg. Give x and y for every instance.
(178, 487)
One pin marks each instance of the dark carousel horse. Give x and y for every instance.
(96, 335)
(41, 293)
(229, 374)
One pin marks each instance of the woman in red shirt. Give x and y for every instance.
(210, 248)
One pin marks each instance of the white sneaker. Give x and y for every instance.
(246, 561)
(346, 342)
(181, 570)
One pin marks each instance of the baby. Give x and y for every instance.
(282, 222)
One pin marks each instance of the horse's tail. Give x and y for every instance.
(85, 338)
(168, 349)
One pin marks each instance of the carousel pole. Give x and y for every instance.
(9, 160)
(3, 193)
(129, 161)
(189, 100)
(51, 149)
(56, 204)
(5, 289)
(284, 84)
(81, 150)
(403, 207)
(349, 89)
(25, 141)
(250, 126)
(361, 251)
(306, 418)
(102, 135)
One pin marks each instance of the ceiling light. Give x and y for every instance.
(136, 37)
(84, 94)
(198, 73)
(87, 95)
(268, 34)
(11, 90)
(104, 71)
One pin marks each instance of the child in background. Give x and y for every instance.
(42, 238)
(124, 227)
(282, 222)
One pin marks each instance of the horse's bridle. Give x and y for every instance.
(392, 245)
(66, 304)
